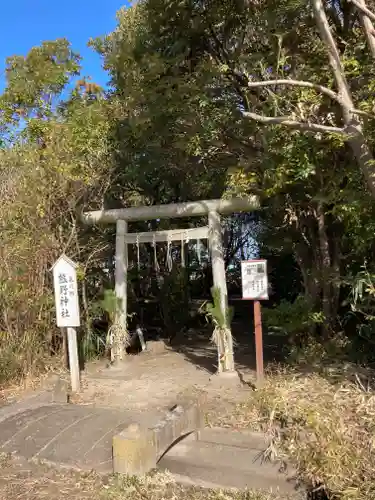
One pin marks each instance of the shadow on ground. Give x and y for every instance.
(197, 347)
(199, 350)
(333, 362)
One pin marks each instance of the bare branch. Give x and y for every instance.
(333, 56)
(359, 112)
(319, 88)
(287, 121)
(365, 17)
(297, 83)
(363, 9)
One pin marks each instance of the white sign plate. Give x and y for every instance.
(254, 279)
(66, 292)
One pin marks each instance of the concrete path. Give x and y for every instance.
(65, 435)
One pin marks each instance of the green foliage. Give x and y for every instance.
(189, 64)
(34, 81)
(362, 295)
(110, 304)
(292, 318)
(214, 311)
(47, 166)
(175, 300)
(361, 300)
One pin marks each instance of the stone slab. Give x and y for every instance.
(68, 435)
(33, 400)
(237, 438)
(220, 460)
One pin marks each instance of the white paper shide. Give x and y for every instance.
(66, 292)
(254, 279)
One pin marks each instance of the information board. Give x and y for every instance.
(254, 279)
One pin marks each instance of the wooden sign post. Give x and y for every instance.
(67, 310)
(255, 288)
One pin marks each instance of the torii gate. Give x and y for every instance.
(213, 232)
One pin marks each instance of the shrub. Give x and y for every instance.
(326, 424)
(291, 318)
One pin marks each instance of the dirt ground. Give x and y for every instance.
(157, 379)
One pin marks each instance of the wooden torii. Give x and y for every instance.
(213, 232)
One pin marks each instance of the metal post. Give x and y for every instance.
(73, 359)
(219, 278)
(258, 341)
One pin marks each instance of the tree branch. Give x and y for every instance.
(365, 17)
(363, 9)
(301, 83)
(287, 121)
(297, 83)
(353, 128)
(333, 57)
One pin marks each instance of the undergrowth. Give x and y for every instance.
(325, 423)
(162, 486)
(21, 357)
(40, 481)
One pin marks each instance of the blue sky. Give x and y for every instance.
(26, 23)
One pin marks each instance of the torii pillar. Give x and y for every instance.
(121, 274)
(219, 279)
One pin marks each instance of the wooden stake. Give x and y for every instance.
(64, 334)
(258, 341)
(73, 359)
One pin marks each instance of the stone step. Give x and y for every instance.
(240, 438)
(226, 459)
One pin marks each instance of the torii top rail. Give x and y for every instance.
(173, 210)
(213, 232)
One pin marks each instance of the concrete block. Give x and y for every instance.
(60, 393)
(226, 379)
(136, 451)
(133, 451)
(155, 346)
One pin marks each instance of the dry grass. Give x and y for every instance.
(161, 486)
(324, 422)
(25, 481)
(19, 387)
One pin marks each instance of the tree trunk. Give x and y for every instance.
(309, 278)
(317, 254)
(353, 126)
(325, 270)
(335, 276)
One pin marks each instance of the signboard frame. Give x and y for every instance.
(245, 263)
